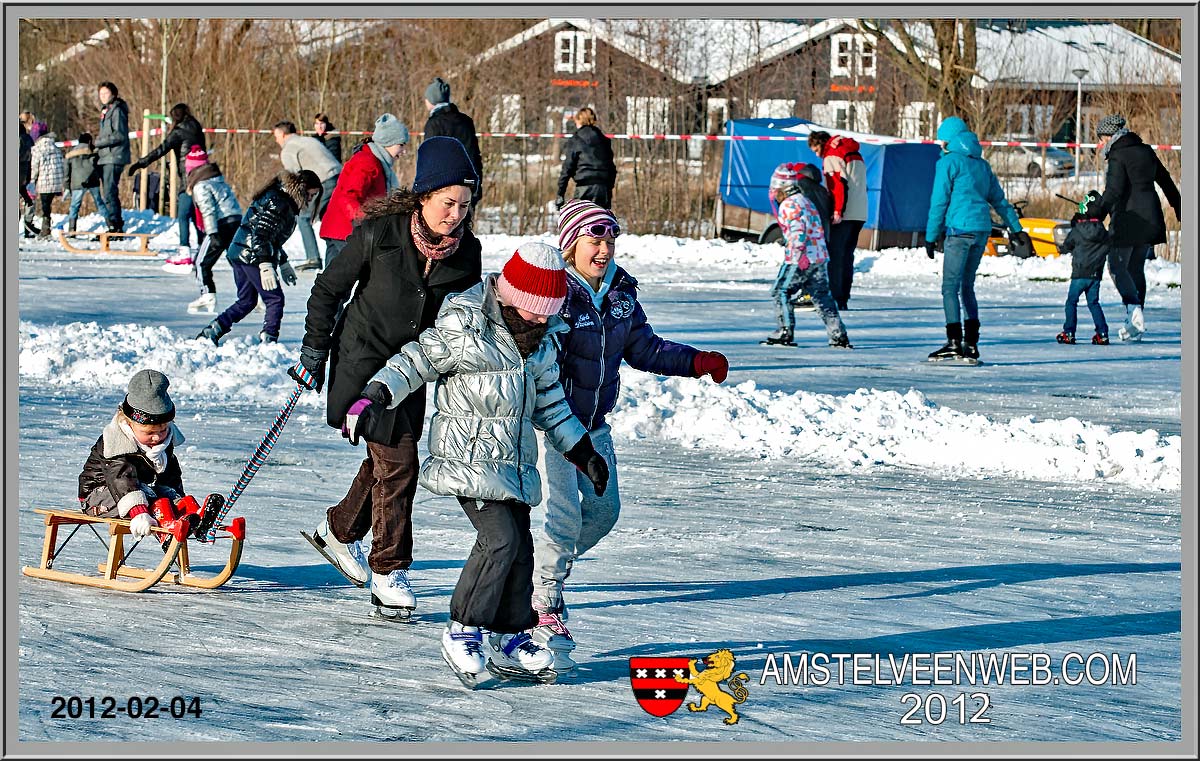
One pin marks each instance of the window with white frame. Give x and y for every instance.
(718, 114)
(574, 51)
(855, 116)
(772, 108)
(506, 115)
(1027, 120)
(852, 54)
(646, 115)
(917, 120)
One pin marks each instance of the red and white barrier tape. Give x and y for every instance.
(655, 136)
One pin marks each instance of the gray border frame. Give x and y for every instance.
(1186, 748)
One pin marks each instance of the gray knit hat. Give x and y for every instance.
(1110, 125)
(438, 91)
(389, 131)
(147, 400)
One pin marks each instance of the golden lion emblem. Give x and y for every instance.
(718, 668)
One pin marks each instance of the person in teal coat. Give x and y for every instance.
(964, 191)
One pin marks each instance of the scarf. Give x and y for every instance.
(385, 158)
(528, 335)
(157, 455)
(432, 250)
(1115, 137)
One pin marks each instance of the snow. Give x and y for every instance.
(818, 501)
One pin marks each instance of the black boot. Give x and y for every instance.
(970, 347)
(44, 232)
(784, 337)
(213, 332)
(953, 348)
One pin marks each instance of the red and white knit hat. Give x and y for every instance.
(534, 279)
(196, 157)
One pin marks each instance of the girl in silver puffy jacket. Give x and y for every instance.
(492, 354)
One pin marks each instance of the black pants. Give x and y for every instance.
(380, 501)
(601, 195)
(843, 238)
(211, 249)
(1137, 270)
(1120, 266)
(495, 587)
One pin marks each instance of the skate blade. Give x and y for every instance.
(953, 361)
(777, 343)
(563, 663)
(545, 676)
(402, 615)
(333, 561)
(201, 310)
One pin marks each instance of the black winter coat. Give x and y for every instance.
(118, 464)
(268, 223)
(1088, 244)
(588, 160)
(180, 139)
(333, 144)
(80, 169)
(1136, 216)
(112, 140)
(451, 122)
(26, 155)
(822, 199)
(391, 306)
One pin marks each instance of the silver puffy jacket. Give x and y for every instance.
(488, 400)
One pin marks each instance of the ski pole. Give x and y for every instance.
(258, 458)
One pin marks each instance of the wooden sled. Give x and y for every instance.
(103, 237)
(114, 573)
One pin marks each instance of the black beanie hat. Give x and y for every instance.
(441, 162)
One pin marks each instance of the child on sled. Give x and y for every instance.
(132, 471)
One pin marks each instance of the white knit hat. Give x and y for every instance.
(534, 279)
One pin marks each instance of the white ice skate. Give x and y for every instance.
(207, 304)
(462, 649)
(392, 595)
(552, 634)
(517, 656)
(182, 263)
(1134, 327)
(347, 558)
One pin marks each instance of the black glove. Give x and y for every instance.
(584, 456)
(930, 247)
(364, 414)
(313, 361)
(560, 202)
(1021, 239)
(134, 167)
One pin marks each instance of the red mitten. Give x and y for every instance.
(711, 363)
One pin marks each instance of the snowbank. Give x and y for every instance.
(871, 429)
(865, 429)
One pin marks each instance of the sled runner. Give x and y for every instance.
(104, 238)
(114, 573)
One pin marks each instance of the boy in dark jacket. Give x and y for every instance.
(445, 119)
(82, 177)
(257, 256)
(132, 471)
(1089, 244)
(588, 161)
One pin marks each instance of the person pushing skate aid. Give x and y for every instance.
(492, 355)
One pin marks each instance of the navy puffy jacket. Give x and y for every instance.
(591, 353)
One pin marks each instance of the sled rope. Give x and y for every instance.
(258, 458)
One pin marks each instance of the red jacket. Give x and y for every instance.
(361, 180)
(842, 150)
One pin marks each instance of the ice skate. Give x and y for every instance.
(782, 338)
(552, 634)
(348, 559)
(392, 595)
(1100, 340)
(951, 352)
(518, 657)
(804, 302)
(462, 649)
(180, 264)
(842, 342)
(206, 304)
(1134, 327)
(1065, 338)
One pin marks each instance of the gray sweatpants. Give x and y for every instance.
(576, 519)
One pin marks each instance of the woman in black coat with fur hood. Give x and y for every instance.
(412, 249)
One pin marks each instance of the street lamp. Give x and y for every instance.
(1079, 74)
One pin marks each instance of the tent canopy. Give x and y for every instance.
(899, 175)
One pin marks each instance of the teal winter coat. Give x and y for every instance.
(964, 187)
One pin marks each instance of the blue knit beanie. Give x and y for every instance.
(441, 162)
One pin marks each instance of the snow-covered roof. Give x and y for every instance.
(1044, 53)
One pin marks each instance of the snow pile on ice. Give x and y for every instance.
(86, 354)
(871, 428)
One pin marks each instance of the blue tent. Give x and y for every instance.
(899, 176)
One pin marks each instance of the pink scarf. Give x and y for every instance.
(423, 237)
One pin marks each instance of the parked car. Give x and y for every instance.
(1027, 161)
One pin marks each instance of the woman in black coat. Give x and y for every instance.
(412, 250)
(1135, 213)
